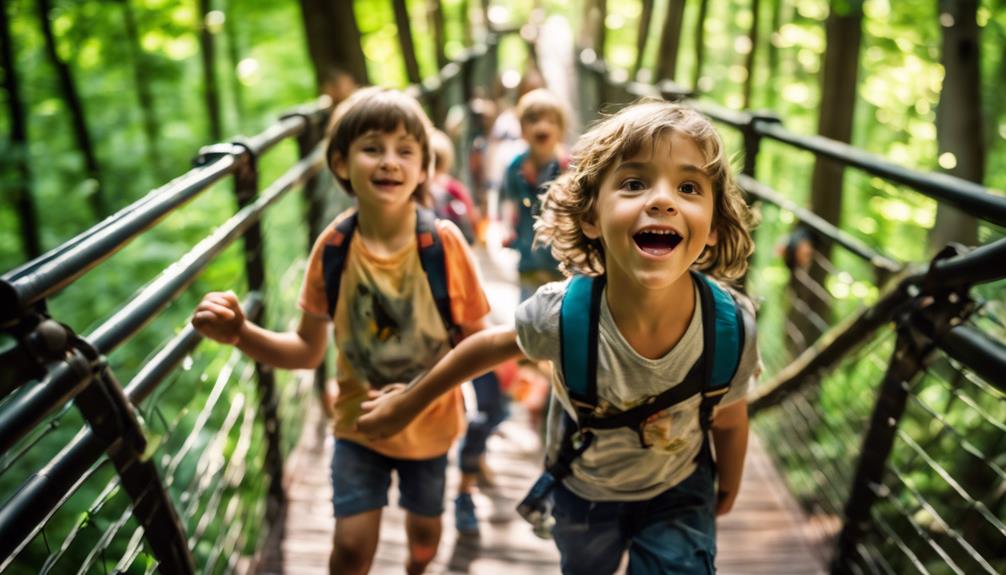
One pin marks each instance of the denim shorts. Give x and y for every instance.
(361, 478)
(674, 532)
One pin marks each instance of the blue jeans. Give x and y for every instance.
(675, 532)
(361, 478)
(492, 410)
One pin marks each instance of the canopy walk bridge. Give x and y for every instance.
(879, 421)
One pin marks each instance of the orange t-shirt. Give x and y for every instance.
(388, 330)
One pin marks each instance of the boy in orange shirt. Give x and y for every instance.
(389, 324)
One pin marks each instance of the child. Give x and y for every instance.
(542, 123)
(650, 199)
(451, 200)
(387, 325)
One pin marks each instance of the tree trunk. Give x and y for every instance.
(670, 39)
(211, 91)
(465, 12)
(700, 44)
(593, 30)
(96, 197)
(642, 35)
(234, 58)
(773, 52)
(436, 15)
(959, 117)
(333, 42)
(19, 187)
(839, 78)
(405, 41)
(144, 94)
(749, 60)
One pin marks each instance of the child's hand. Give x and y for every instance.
(219, 317)
(386, 413)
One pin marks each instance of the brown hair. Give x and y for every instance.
(572, 198)
(443, 151)
(540, 102)
(382, 110)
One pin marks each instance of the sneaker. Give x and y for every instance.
(464, 515)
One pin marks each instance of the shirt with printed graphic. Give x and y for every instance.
(618, 466)
(388, 330)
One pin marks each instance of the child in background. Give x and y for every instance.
(451, 200)
(388, 328)
(543, 123)
(649, 203)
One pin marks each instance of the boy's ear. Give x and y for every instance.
(590, 227)
(339, 166)
(713, 237)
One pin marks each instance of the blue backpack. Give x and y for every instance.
(710, 376)
(431, 256)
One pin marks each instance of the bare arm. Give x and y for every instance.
(219, 317)
(730, 438)
(389, 413)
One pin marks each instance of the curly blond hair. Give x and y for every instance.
(571, 199)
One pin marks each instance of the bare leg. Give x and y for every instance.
(355, 542)
(423, 534)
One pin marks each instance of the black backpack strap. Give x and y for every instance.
(333, 259)
(574, 443)
(433, 259)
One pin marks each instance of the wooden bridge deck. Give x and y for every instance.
(765, 533)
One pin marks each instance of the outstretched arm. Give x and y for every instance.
(219, 317)
(477, 354)
(730, 438)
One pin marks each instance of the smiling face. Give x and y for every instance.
(654, 213)
(542, 132)
(383, 168)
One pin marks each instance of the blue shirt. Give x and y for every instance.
(518, 187)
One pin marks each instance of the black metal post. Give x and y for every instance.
(113, 419)
(315, 208)
(246, 190)
(752, 139)
(925, 321)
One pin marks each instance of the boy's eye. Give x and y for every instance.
(371, 149)
(406, 152)
(633, 184)
(690, 188)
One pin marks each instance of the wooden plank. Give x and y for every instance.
(765, 533)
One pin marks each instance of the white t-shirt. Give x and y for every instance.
(616, 467)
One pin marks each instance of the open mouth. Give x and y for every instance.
(657, 242)
(541, 137)
(386, 182)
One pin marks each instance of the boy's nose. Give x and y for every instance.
(388, 160)
(662, 198)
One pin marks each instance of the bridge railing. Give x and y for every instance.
(186, 458)
(884, 411)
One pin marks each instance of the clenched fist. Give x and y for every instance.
(219, 317)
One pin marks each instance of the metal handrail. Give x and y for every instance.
(976, 200)
(75, 367)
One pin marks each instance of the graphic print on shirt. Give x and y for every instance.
(387, 338)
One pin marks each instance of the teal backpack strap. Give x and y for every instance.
(333, 259)
(722, 345)
(432, 257)
(578, 325)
